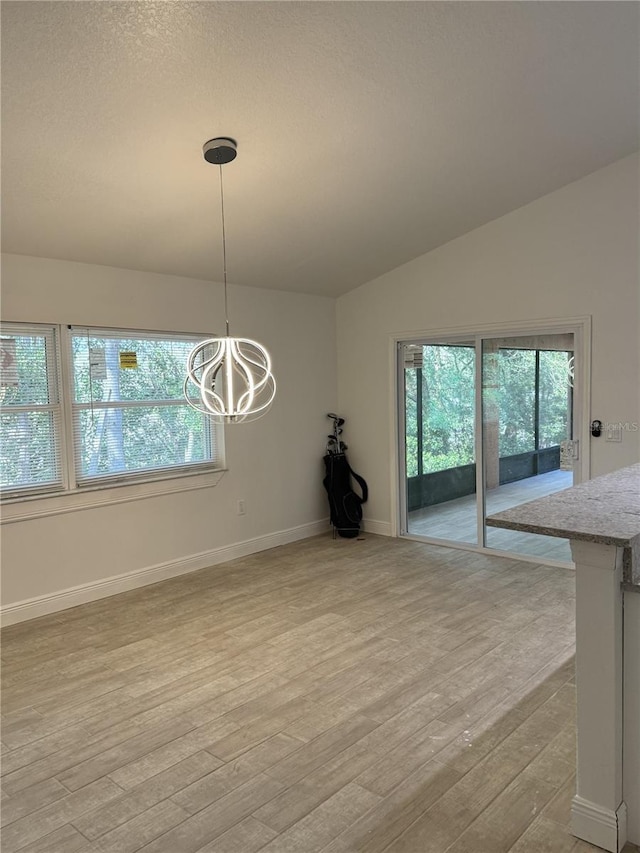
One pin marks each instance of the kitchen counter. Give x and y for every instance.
(605, 510)
(601, 518)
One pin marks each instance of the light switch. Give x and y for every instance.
(613, 432)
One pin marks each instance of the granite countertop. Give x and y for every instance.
(605, 509)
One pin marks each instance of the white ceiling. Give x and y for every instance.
(368, 132)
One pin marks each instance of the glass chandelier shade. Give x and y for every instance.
(229, 379)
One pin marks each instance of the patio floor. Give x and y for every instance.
(456, 520)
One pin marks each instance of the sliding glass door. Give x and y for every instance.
(483, 422)
(527, 416)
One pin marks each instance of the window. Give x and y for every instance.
(440, 409)
(31, 415)
(535, 399)
(517, 401)
(555, 397)
(127, 419)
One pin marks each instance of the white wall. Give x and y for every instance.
(274, 463)
(573, 252)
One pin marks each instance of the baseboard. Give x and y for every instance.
(382, 528)
(600, 826)
(43, 605)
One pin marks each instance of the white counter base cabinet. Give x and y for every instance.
(631, 707)
(598, 812)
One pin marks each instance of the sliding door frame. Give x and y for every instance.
(580, 327)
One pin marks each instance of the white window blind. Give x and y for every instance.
(30, 411)
(130, 419)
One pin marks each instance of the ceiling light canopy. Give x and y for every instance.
(229, 379)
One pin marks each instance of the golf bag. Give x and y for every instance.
(344, 504)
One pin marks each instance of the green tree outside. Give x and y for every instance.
(446, 384)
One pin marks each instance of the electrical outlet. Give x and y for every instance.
(242, 508)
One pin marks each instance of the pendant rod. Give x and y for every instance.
(224, 256)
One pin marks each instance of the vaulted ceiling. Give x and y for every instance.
(368, 132)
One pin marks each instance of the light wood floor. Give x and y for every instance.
(322, 697)
(456, 520)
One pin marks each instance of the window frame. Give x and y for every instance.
(55, 389)
(139, 483)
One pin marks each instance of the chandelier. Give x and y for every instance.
(229, 379)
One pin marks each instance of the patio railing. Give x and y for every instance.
(441, 486)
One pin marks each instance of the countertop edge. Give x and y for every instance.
(560, 532)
